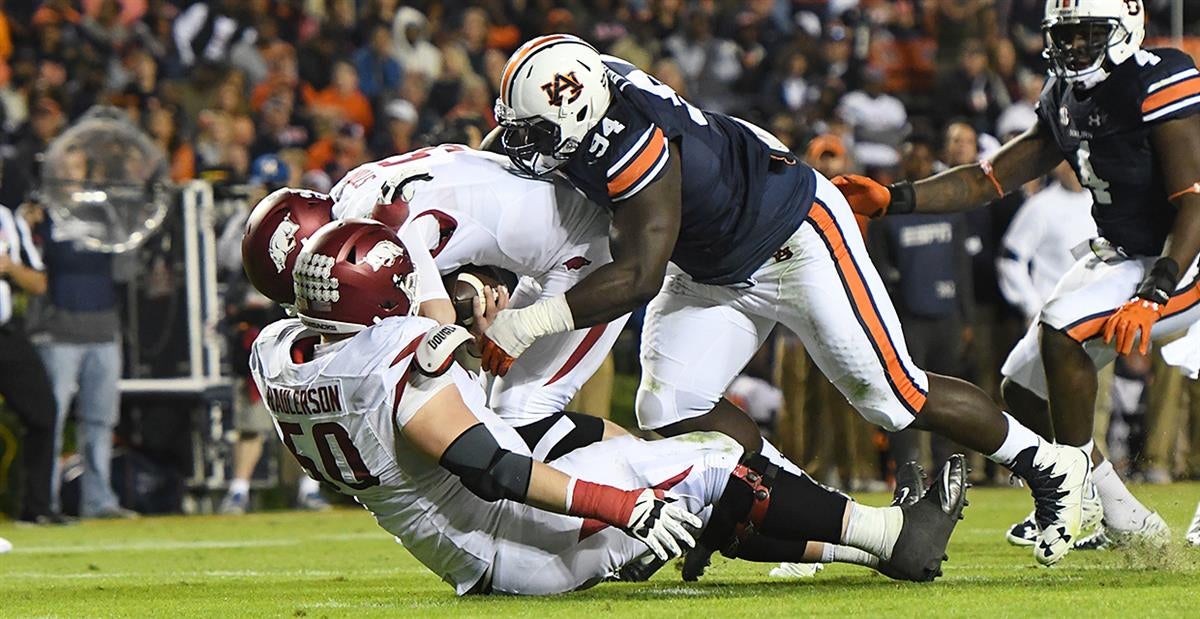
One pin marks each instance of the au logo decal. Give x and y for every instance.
(563, 84)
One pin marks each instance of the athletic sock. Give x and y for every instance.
(1122, 510)
(777, 458)
(308, 486)
(1018, 439)
(873, 529)
(835, 553)
(239, 486)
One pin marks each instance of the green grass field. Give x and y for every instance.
(339, 563)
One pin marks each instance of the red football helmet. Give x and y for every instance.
(275, 231)
(351, 274)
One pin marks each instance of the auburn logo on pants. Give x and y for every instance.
(561, 84)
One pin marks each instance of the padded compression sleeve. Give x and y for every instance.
(489, 471)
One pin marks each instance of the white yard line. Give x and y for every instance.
(172, 545)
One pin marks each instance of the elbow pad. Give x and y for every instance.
(489, 471)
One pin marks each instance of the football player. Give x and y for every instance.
(753, 237)
(1125, 119)
(368, 398)
(468, 209)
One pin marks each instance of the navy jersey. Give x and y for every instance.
(742, 197)
(1105, 136)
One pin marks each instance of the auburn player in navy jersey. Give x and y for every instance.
(726, 233)
(1127, 120)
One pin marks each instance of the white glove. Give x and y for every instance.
(660, 524)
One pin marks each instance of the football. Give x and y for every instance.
(468, 282)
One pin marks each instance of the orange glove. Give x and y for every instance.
(866, 197)
(495, 360)
(1137, 315)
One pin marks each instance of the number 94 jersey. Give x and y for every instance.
(1105, 136)
(743, 192)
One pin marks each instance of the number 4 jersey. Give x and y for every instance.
(341, 416)
(1105, 136)
(743, 192)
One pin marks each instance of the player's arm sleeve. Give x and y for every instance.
(429, 279)
(1013, 263)
(642, 162)
(1171, 87)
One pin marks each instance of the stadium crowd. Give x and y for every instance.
(298, 92)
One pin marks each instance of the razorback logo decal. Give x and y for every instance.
(568, 84)
(576, 263)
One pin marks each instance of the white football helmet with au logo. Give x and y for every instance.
(553, 90)
(1085, 39)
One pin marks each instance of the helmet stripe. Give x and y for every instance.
(511, 69)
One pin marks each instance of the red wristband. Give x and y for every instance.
(604, 503)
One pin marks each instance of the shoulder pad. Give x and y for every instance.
(435, 353)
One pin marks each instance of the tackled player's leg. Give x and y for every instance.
(746, 501)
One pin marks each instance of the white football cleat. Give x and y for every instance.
(5, 546)
(1153, 531)
(1023, 533)
(1060, 480)
(796, 570)
(1193, 532)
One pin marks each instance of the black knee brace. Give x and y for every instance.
(762, 498)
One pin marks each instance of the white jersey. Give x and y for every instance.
(475, 211)
(1037, 246)
(341, 415)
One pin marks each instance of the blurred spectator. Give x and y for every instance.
(78, 337)
(277, 128)
(410, 38)
(23, 163)
(24, 385)
(924, 263)
(972, 91)
(378, 72)
(879, 122)
(709, 64)
(961, 23)
(206, 31)
(789, 89)
(342, 100)
(162, 125)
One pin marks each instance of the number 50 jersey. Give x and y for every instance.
(1105, 136)
(744, 193)
(342, 414)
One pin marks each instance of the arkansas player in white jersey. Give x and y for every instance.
(367, 397)
(468, 208)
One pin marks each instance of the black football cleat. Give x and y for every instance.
(928, 524)
(910, 484)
